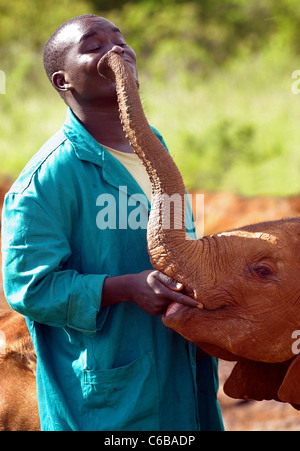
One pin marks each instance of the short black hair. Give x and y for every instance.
(53, 54)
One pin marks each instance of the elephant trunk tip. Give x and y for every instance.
(104, 68)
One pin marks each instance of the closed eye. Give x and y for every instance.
(93, 49)
(98, 47)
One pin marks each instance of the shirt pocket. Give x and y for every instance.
(124, 398)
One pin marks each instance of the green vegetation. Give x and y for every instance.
(216, 80)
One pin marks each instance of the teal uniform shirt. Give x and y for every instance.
(114, 368)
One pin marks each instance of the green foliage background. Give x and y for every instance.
(216, 79)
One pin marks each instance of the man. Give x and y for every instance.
(84, 280)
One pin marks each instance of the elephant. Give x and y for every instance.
(18, 398)
(245, 281)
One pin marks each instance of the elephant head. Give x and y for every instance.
(247, 279)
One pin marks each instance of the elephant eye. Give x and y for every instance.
(261, 270)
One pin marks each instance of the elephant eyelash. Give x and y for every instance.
(262, 271)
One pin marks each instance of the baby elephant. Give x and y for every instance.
(247, 281)
(249, 285)
(18, 399)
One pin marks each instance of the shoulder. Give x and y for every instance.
(47, 156)
(46, 188)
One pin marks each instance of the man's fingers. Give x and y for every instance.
(168, 281)
(188, 291)
(184, 297)
(185, 300)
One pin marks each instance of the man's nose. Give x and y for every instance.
(117, 49)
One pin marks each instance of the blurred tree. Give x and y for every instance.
(192, 34)
(30, 22)
(191, 47)
(174, 36)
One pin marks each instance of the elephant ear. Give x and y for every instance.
(255, 380)
(289, 390)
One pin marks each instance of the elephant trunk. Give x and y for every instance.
(169, 246)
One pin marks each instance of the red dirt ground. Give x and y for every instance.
(222, 212)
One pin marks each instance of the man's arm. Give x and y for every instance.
(35, 247)
(152, 291)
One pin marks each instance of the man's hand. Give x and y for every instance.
(152, 291)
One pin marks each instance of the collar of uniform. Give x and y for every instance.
(85, 146)
(88, 149)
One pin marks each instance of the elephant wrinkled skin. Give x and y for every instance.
(251, 292)
(247, 279)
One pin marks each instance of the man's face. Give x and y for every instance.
(86, 42)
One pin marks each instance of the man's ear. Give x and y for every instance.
(60, 81)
